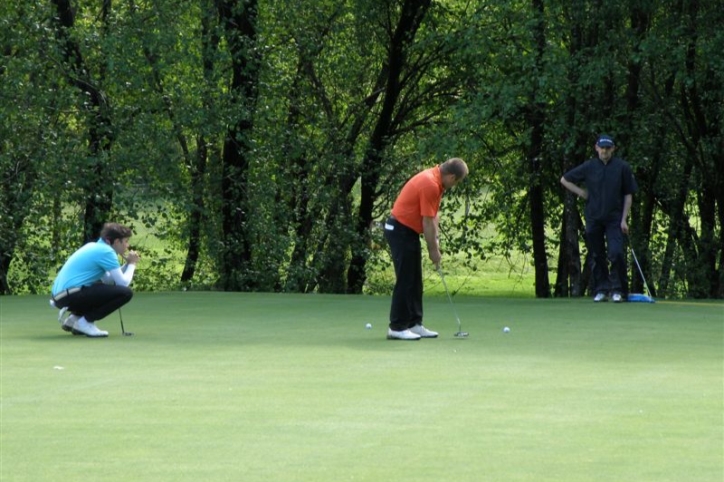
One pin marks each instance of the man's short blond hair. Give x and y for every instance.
(455, 166)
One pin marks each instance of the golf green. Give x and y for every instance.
(272, 387)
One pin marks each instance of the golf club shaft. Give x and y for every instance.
(449, 298)
(641, 272)
(120, 315)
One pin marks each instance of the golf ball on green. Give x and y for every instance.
(368, 326)
(506, 330)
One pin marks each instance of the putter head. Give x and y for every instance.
(461, 334)
(127, 333)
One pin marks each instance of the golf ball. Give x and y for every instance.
(506, 330)
(368, 326)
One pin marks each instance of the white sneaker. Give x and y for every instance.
(67, 321)
(63, 315)
(616, 298)
(69, 324)
(599, 297)
(401, 335)
(89, 329)
(423, 332)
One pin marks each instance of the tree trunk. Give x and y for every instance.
(676, 215)
(99, 184)
(239, 18)
(568, 277)
(413, 12)
(647, 177)
(720, 201)
(571, 280)
(195, 219)
(210, 44)
(14, 205)
(17, 183)
(702, 274)
(643, 208)
(536, 122)
(300, 277)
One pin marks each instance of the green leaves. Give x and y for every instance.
(329, 136)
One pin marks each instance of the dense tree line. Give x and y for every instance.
(262, 140)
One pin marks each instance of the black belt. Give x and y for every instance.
(65, 293)
(392, 221)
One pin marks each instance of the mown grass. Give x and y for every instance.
(260, 387)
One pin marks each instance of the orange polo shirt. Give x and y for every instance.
(419, 197)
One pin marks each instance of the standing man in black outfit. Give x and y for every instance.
(610, 186)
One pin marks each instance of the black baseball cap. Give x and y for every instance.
(604, 140)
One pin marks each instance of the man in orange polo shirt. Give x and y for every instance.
(415, 212)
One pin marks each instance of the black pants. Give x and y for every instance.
(606, 245)
(406, 310)
(97, 301)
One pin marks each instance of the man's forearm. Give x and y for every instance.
(430, 232)
(574, 188)
(627, 201)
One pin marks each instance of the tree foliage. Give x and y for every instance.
(262, 141)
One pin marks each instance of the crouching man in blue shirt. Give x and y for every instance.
(92, 283)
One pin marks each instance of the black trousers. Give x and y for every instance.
(97, 301)
(406, 310)
(606, 245)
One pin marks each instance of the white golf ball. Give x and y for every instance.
(368, 326)
(506, 330)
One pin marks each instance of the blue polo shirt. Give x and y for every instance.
(86, 266)
(607, 184)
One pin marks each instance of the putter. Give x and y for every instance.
(123, 330)
(460, 333)
(648, 298)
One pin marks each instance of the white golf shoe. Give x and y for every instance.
(89, 329)
(423, 332)
(402, 335)
(69, 324)
(599, 297)
(67, 320)
(616, 298)
(63, 317)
